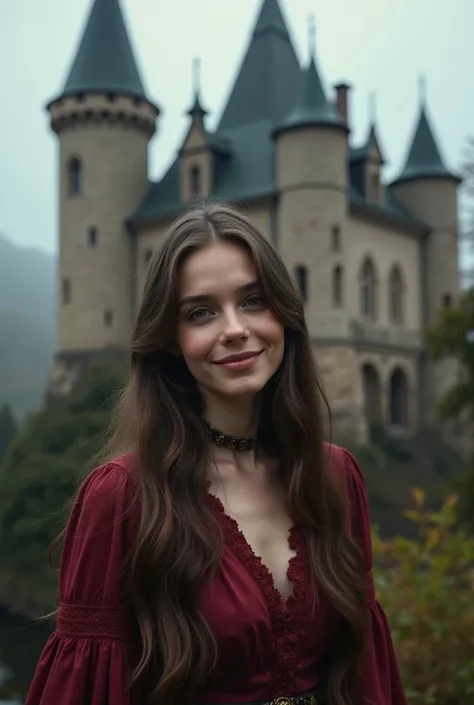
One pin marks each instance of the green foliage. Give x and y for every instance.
(39, 474)
(8, 428)
(426, 587)
(453, 336)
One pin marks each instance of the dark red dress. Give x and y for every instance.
(276, 643)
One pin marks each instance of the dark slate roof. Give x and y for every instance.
(269, 77)
(243, 169)
(104, 60)
(424, 160)
(311, 106)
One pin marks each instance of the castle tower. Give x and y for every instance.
(429, 190)
(104, 121)
(311, 156)
(311, 175)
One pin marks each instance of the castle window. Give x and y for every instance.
(447, 301)
(195, 181)
(301, 273)
(395, 295)
(92, 236)
(75, 176)
(148, 254)
(66, 291)
(336, 238)
(108, 318)
(374, 187)
(372, 393)
(368, 289)
(337, 285)
(398, 391)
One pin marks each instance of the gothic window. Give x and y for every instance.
(399, 399)
(92, 236)
(195, 182)
(395, 295)
(66, 290)
(301, 273)
(372, 394)
(75, 176)
(368, 287)
(337, 286)
(108, 318)
(335, 238)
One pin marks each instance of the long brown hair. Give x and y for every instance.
(159, 417)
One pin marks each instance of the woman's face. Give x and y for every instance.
(230, 341)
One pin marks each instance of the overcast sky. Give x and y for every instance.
(379, 46)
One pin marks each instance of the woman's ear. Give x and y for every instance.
(175, 349)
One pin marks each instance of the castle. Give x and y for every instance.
(373, 262)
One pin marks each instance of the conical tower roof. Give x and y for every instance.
(270, 74)
(424, 160)
(312, 108)
(105, 61)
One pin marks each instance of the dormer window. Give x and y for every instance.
(195, 186)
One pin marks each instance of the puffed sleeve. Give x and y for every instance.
(381, 678)
(89, 657)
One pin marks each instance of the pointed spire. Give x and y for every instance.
(270, 19)
(105, 61)
(312, 107)
(270, 74)
(197, 110)
(424, 159)
(312, 37)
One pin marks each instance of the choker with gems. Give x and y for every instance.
(231, 442)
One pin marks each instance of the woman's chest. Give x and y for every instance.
(260, 522)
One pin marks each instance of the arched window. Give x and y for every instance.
(195, 181)
(372, 393)
(447, 301)
(75, 177)
(336, 238)
(92, 236)
(301, 273)
(368, 289)
(399, 399)
(337, 286)
(395, 295)
(66, 291)
(108, 318)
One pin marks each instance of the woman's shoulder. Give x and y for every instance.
(110, 489)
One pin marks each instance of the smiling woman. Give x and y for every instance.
(222, 554)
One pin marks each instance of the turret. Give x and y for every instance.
(200, 150)
(311, 175)
(429, 190)
(104, 122)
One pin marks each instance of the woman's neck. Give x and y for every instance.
(237, 418)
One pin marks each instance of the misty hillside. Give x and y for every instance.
(27, 324)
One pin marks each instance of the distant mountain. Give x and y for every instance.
(27, 324)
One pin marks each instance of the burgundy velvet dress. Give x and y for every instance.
(268, 646)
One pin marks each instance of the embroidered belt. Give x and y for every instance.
(315, 697)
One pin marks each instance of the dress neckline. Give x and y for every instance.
(286, 613)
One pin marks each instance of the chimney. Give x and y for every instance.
(342, 90)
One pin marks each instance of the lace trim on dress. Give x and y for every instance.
(92, 622)
(286, 613)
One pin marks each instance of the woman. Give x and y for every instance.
(224, 555)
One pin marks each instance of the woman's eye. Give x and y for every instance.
(199, 313)
(255, 300)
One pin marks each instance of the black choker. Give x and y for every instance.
(231, 442)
